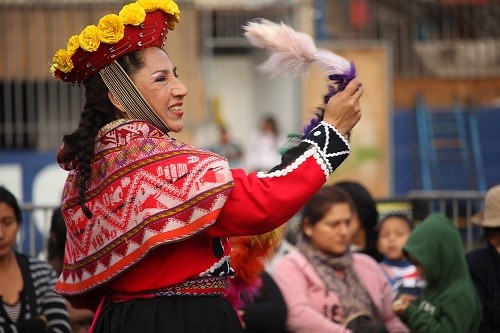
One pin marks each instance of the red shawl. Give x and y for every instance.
(145, 190)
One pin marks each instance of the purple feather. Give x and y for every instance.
(340, 81)
(311, 125)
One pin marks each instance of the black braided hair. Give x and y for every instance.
(97, 112)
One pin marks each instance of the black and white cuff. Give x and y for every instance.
(330, 145)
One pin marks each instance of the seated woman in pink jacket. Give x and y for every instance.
(326, 287)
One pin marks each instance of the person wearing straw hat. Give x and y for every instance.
(484, 263)
(149, 217)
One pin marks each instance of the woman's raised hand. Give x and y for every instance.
(342, 110)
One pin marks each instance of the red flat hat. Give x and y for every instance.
(139, 25)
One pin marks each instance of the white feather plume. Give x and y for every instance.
(291, 51)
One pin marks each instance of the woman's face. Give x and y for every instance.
(331, 234)
(158, 83)
(8, 229)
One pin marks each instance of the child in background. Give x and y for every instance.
(449, 302)
(393, 231)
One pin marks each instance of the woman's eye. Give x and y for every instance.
(175, 72)
(160, 79)
(8, 222)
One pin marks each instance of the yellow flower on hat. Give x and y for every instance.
(62, 60)
(171, 7)
(149, 5)
(132, 14)
(89, 38)
(53, 69)
(111, 29)
(73, 45)
(171, 24)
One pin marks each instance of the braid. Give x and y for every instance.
(98, 111)
(79, 145)
(90, 124)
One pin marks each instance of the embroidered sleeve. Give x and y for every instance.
(261, 202)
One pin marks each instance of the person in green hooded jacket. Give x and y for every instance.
(449, 303)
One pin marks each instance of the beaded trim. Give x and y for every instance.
(295, 165)
(206, 286)
(324, 151)
(339, 135)
(320, 154)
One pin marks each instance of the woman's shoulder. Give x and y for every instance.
(291, 258)
(40, 264)
(365, 261)
(293, 266)
(135, 133)
(129, 128)
(37, 266)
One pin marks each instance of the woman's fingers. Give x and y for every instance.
(343, 110)
(354, 88)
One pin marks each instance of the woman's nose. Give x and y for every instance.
(344, 228)
(180, 89)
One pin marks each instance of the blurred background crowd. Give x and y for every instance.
(427, 142)
(431, 104)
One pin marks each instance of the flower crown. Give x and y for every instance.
(138, 25)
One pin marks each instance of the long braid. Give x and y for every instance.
(79, 145)
(92, 121)
(98, 111)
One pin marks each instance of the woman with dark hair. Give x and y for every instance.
(56, 241)
(363, 227)
(149, 217)
(327, 287)
(27, 301)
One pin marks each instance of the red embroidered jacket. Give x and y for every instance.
(162, 210)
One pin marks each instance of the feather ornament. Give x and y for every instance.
(249, 255)
(294, 52)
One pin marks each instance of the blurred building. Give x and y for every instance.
(428, 53)
(430, 68)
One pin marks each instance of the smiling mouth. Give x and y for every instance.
(175, 109)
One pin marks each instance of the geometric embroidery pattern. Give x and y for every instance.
(146, 189)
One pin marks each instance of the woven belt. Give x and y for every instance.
(206, 286)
